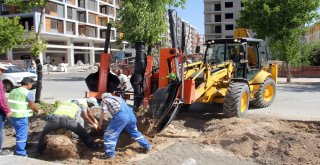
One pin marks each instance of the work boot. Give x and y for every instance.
(107, 157)
(5, 152)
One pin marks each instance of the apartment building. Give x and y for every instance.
(313, 33)
(220, 18)
(74, 30)
(191, 34)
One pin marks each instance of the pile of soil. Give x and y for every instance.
(267, 141)
(61, 147)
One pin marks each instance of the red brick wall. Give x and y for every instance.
(302, 71)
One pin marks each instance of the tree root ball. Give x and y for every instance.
(61, 147)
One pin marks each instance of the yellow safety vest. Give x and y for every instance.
(67, 109)
(18, 103)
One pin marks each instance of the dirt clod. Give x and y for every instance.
(61, 147)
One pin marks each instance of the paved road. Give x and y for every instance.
(293, 101)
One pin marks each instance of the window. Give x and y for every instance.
(91, 31)
(4, 9)
(228, 4)
(229, 27)
(70, 28)
(69, 13)
(92, 5)
(217, 29)
(92, 18)
(217, 7)
(81, 3)
(54, 24)
(82, 16)
(217, 18)
(229, 15)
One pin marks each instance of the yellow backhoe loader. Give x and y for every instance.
(234, 72)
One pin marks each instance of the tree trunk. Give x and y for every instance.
(138, 76)
(39, 81)
(38, 62)
(288, 73)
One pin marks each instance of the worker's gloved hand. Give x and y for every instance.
(39, 112)
(96, 122)
(9, 114)
(96, 126)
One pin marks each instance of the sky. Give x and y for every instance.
(193, 13)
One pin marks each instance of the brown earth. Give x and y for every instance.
(264, 141)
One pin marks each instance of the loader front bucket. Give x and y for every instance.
(163, 106)
(93, 79)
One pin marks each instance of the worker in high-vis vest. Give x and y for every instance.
(67, 115)
(86, 104)
(21, 103)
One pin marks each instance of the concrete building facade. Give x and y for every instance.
(191, 34)
(313, 33)
(74, 30)
(220, 18)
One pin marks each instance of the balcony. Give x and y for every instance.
(71, 2)
(103, 21)
(70, 28)
(93, 19)
(54, 9)
(54, 25)
(103, 33)
(87, 31)
(81, 16)
(107, 10)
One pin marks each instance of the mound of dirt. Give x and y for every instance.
(61, 147)
(267, 141)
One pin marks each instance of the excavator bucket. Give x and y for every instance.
(93, 79)
(163, 105)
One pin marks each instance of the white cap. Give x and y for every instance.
(93, 101)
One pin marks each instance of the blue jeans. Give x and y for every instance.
(1, 128)
(21, 127)
(124, 119)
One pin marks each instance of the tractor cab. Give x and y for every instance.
(248, 54)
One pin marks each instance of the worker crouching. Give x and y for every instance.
(122, 118)
(67, 115)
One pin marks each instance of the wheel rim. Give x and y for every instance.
(268, 93)
(244, 102)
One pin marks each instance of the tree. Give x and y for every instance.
(143, 22)
(281, 22)
(39, 45)
(10, 33)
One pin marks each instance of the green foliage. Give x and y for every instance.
(172, 76)
(281, 21)
(314, 57)
(11, 33)
(26, 5)
(38, 47)
(144, 20)
(48, 108)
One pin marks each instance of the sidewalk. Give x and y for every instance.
(12, 159)
(283, 80)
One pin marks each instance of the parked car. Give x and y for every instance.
(12, 77)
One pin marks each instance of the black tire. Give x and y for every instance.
(262, 101)
(8, 86)
(236, 102)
